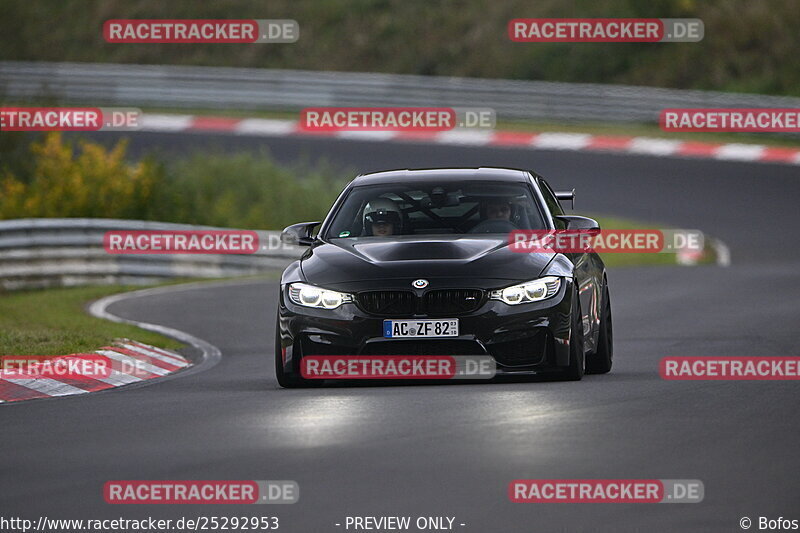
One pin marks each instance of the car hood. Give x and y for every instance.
(342, 261)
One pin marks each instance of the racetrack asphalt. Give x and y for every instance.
(451, 450)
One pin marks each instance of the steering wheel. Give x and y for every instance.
(497, 225)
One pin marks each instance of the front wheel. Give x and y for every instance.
(600, 361)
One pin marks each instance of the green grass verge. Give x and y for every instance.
(55, 322)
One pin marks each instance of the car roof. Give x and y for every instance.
(443, 174)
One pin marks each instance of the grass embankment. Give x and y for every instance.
(54, 322)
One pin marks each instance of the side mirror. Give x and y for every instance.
(574, 222)
(299, 233)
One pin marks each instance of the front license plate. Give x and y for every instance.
(401, 329)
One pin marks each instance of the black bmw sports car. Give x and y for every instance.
(405, 248)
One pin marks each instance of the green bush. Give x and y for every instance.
(243, 190)
(85, 179)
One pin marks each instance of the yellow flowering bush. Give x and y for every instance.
(84, 181)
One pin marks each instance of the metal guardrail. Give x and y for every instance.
(271, 89)
(52, 252)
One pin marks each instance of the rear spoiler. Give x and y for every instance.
(567, 195)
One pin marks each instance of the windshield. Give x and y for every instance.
(435, 208)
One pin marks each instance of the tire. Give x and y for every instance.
(577, 357)
(601, 360)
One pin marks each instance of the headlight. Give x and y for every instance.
(530, 291)
(311, 296)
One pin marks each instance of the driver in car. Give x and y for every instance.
(495, 217)
(498, 210)
(382, 218)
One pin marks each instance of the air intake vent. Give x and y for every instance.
(388, 303)
(452, 301)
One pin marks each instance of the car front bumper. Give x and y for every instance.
(525, 338)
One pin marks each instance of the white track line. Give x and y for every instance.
(155, 355)
(151, 122)
(650, 146)
(562, 141)
(118, 379)
(740, 152)
(135, 363)
(47, 386)
(263, 126)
